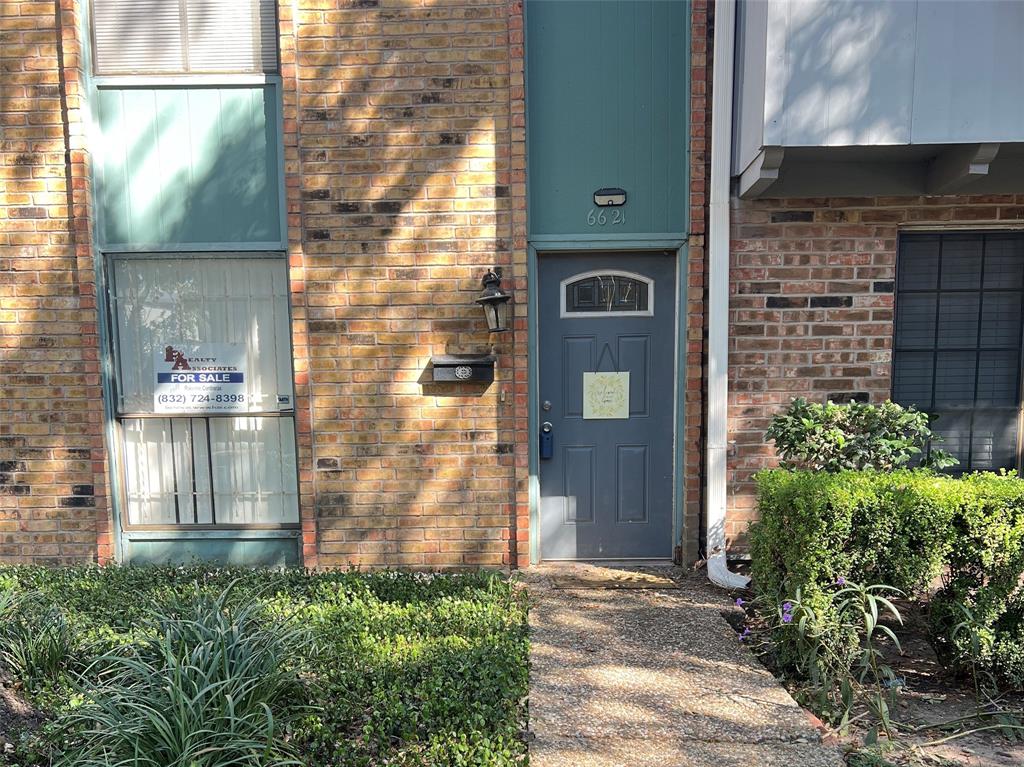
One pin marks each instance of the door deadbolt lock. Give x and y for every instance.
(546, 405)
(547, 441)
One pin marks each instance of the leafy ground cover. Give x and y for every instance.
(200, 667)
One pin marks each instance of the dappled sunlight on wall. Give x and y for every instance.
(52, 493)
(188, 165)
(404, 153)
(844, 73)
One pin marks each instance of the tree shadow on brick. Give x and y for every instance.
(405, 157)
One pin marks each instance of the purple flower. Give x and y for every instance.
(744, 635)
(787, 607)
(840, 581)
(740, 602)
(787, 617)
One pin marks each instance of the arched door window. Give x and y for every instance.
(607, 293)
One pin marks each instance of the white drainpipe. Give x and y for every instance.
(718, 297)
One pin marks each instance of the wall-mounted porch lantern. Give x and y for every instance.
(495, 302)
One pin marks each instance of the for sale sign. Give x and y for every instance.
(200, 378)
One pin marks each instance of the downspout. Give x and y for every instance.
(718, 298)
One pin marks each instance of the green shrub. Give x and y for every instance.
(819, 529)
(856, 435)
(978, 617)
(904, 529)
(870, 527)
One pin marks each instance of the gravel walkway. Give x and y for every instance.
(654, 678)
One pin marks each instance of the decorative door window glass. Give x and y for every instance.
(602, 293)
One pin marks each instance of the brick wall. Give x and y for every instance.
(696, 286)
(811, 312)
(52, 490)
(406, 184)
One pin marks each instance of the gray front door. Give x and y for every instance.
(606, 489)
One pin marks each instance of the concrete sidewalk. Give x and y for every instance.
(654, 678)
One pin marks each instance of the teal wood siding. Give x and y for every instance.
(189, 166)
(607, 91)
(240, 551)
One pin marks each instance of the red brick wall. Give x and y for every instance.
(405, 184)
(52, 489)
(811, 313)
(696, 287)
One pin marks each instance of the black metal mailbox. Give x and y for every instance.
(469, 368)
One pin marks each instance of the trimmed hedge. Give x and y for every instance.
(978, 616)
(903, 529)
(870, 527)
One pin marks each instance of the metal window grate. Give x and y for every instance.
(958, 334)
(212, 471)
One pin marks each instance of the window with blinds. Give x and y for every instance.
(184, 36)
(957, 352)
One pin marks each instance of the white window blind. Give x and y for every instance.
(184, 36)
(161, 301)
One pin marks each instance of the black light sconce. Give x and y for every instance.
(495, 302)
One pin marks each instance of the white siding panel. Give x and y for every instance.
(840, 73)
(970, 72)
(881, 72)
(750, 88)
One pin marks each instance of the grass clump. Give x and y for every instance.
(210, 685)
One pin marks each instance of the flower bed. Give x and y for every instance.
(203, 667)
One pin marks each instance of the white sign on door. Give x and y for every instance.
(605, 395)
(200, 378)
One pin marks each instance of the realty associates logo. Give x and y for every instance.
(178, 358)
(199, 369)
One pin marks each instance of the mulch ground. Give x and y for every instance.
(15, 714)
(932, 696)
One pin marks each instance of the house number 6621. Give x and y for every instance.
(600, 217)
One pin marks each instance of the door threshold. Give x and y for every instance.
(608, 562)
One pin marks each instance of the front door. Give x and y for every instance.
(607, 356)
